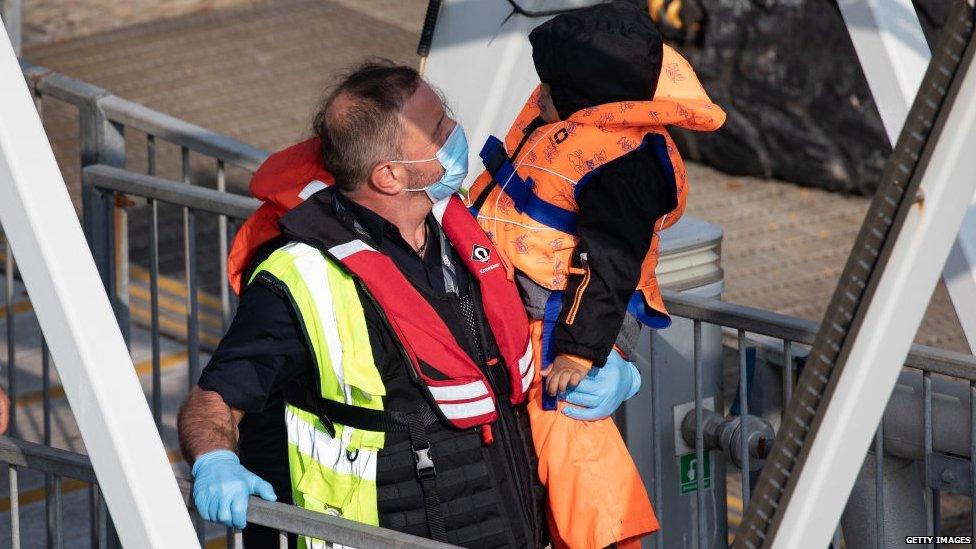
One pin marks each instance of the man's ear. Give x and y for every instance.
(387, 178)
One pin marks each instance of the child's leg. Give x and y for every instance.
(595, 493)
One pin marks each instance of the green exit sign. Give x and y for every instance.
(687, 472)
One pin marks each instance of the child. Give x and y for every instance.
(574, 200)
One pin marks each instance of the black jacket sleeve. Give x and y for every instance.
(263, 350)
(619, 206)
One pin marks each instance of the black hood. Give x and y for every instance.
(600, 54)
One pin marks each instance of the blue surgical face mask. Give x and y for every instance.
(453, 157)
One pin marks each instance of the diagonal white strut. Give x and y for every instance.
(894, 55)
(77, 320)
(887, 330)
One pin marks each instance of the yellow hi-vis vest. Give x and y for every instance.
(335, 475)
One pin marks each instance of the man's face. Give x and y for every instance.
(426, 126)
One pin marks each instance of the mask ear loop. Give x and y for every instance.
(457, 128)
(412, 161)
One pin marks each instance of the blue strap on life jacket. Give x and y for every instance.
(549, 317)
(522, 191)
(637, 307)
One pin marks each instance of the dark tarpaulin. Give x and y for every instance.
(798, 104)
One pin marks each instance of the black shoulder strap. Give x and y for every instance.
(330, 412)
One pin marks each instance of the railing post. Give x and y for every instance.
(103, 142)
(667, 463)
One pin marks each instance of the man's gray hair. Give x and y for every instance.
(364, 129)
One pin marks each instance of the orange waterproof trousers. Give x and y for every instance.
(595, 495)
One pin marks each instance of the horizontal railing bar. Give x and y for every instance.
(66, 88)
(182, 133)
(803, 331)
(942, 361)
(33, 72)
(128, 113)
(740, 317)
(46, 459)
(322, 526)
(108, 178)
(38, 457)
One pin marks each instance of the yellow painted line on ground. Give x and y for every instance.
(68, 485)
(174, 305)
(142, 368)
(19, 307)
(734, 503)
(173, 285)
(216, 543)
(173, 326)
(167, 283)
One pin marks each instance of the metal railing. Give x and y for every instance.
(950, 469)
(116, 132)
(745, 324)
(61, 465)
(111, 190)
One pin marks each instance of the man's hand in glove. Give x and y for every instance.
(222, 486)
(603, 389)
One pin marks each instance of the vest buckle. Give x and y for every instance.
(425, 465)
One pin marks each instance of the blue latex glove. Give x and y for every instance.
(603, 389)
(221, 487)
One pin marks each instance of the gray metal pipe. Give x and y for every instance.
(904, 428)
(902, 511)
(726, 434)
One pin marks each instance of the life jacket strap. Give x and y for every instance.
(522, 191)
(331, 412)
(549, 317)
(427, 475)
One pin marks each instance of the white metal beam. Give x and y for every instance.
(76, 318)
(13, 19)
(894, 55)
(888, 328)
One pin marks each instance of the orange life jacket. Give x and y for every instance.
(282, 182)
(530, 211)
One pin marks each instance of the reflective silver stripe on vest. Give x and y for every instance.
(312, 267)
(343, 251)
(468, 391)
(467, 409)
(311, 188)
(330, 452)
